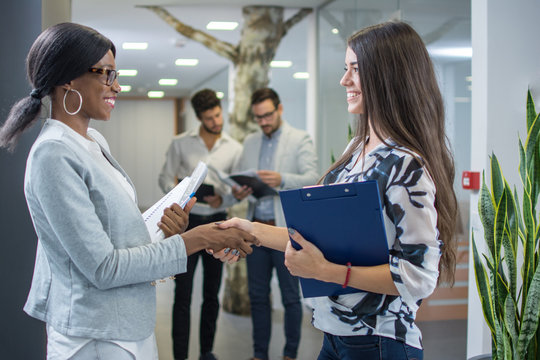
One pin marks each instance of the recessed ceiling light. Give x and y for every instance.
(220, 94)
(186, 62)
(463, 52)
(156, 94)
(468, 78)
(281, 64)
(221, 25)
(125, 88)
(135, 45)
(127, 72)
(301, 75)
(335, 31)
(168, 82)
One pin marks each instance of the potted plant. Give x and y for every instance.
(510, 292)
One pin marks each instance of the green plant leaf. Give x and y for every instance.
(531, 313)
(499, 341)
(521, 229)
(510, 322)
(497, 185)
(535, 174)
(522, 163)
(510, 260)
(500, 225)
(482, 284)
(528, 245)
(531, 111)
(532, 138)
(486, 210)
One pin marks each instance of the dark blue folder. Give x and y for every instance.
(344, 221)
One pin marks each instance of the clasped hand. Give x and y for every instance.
(308, 262)
(175, 221)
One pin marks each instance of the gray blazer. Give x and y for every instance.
(295, 159)
(95, 260)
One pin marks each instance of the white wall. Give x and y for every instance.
(505, 63)
(139, 133)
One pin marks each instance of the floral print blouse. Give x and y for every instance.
(408, 194)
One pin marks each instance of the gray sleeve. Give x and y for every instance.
(67, 220)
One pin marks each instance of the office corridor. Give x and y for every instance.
(443, 340)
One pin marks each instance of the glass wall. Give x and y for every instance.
(445, 27)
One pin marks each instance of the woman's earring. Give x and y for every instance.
(80, 102)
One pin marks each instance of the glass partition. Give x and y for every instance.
(445, 27)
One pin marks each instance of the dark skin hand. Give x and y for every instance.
(175, 220)
(210, 236)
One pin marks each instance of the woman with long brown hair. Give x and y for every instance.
(400, 142)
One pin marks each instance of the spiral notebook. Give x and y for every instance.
(180, 194)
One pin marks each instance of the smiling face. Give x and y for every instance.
(351, 82)
(98, 97)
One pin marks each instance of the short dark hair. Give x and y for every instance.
(61, 53)
(263, 94)
(203, 100)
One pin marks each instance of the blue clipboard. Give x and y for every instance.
(344, 221)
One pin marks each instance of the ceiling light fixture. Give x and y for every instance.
(221, 25)
(186, 62)
(125, 88)
(335, 31)
(168, 82)
(156, 94)
(127, 72)
(301, 75)
(281, 64)
(135, 45)
(220, 94)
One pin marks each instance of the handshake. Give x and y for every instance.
(217, 238)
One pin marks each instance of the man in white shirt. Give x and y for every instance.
(209, 144)
(284, 158)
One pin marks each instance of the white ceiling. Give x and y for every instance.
(122, 21)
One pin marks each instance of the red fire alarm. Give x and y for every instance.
(470, 180)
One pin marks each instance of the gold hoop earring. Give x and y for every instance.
(80, 102)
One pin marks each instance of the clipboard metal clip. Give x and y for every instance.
(326, 192)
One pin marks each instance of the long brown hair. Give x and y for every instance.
(402, 101)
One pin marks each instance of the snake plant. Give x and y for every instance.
(507, 274)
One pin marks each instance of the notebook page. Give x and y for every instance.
(153, 215)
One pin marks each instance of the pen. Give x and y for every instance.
(187, 200)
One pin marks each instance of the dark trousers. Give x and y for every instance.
(367, 347)
(212, 269)
(260, 264)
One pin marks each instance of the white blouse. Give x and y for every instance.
(413, 239)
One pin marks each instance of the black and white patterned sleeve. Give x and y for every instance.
(415, 254)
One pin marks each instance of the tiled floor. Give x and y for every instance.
(443, 340)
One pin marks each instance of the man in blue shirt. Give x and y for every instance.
(284, 158)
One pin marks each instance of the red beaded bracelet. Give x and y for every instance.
(347, 277)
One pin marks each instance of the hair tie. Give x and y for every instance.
(35, 94)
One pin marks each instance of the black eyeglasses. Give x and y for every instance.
(264, 116)
(111, 74)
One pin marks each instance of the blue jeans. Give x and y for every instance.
(260, 264)
(367, 347)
